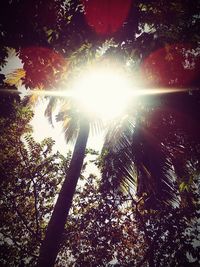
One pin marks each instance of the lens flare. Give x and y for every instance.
(102, 92)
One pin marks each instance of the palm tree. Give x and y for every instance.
(152, 152)
(76, 126)
(50, 246)
(156, 151)
(154, 148)
(132, 155)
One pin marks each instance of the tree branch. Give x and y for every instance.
(25, 222)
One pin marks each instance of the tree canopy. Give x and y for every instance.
(151, 156)
(30, 177)
(105, 226)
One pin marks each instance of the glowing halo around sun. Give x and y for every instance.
(105, 91)
(102, 92)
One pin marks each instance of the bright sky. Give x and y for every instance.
(42, 128)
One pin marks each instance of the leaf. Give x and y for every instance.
(14, 78)
(183, 187)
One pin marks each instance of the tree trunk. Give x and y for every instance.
(50, 245)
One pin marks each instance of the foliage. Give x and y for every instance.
(30, 177)
(156, 152)
(101, 227)
(43, 67)
(107, 226)
(65, 30)
(104, 225)
(16, 125)
(9, 96)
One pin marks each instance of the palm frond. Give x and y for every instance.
(96, 126)
(70, 120)
(70, 128)
(155, 173)
(117, 160)
(139, 160)
(50, 108)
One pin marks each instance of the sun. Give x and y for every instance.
(102, 92)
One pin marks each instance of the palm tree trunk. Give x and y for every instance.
(50, 245)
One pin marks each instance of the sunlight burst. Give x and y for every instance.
(103, 92)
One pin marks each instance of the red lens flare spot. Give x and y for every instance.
(44, 67)
(174, 65)
(106, 16)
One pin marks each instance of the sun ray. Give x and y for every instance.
(103, 92)
(70, 93)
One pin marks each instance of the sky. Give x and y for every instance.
(42, 128)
